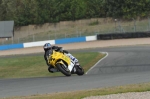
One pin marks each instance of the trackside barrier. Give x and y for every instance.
(41, 43)
(11, 46)
(70, 40)
(122, 35)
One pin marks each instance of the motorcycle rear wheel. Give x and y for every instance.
(80, 71)
(63, 69)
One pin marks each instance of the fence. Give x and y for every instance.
(93, 27)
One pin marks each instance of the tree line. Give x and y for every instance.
(25, 12)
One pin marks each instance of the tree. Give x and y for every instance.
(25, 12)
(95, 8)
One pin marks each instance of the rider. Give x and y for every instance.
(47, 47)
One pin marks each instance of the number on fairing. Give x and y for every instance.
(73, 58)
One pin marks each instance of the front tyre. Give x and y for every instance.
(63, 69)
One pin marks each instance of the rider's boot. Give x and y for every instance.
(52, 70)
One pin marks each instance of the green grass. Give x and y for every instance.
(35, 66)
(93, 92)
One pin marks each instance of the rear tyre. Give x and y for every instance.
(80, 70)
(63, 69)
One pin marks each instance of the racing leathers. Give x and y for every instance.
(59, 49)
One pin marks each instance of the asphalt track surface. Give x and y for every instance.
(122, 66)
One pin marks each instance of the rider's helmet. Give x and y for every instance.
(47, 46)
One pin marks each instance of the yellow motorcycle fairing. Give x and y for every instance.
(57, 57)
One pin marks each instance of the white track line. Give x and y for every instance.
(98, 61)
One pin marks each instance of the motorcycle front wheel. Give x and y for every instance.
(63, 69)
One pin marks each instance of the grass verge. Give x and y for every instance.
(35, 66)
(94, 92)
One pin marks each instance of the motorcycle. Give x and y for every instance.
(64, 64)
